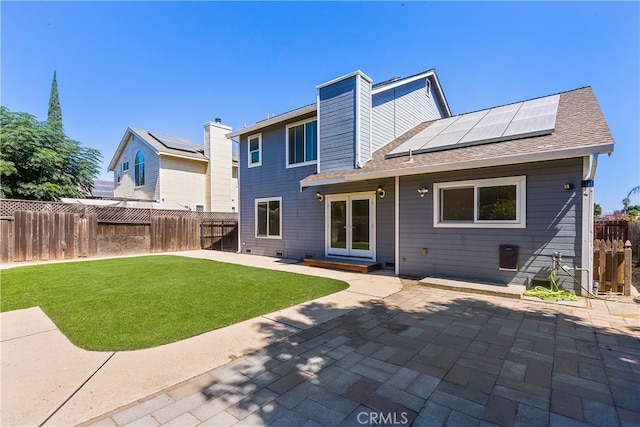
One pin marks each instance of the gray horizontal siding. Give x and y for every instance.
(337, 125)
(302, 215)
(396, 111)
(553, 224)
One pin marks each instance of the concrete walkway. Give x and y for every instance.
(367, 355)
(46, 379)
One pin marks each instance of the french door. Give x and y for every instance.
(350, 227)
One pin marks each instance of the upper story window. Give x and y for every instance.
(255, 150)
(485, 203)
(139, 168)
(125, 166)
(302, 143)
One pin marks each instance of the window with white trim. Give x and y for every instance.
(483, 203)
(139, 168)
(125, 166)
(269, 218)
(302, 143)
(255, 150)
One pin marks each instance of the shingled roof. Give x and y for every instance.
(147, 136)
(580, 130)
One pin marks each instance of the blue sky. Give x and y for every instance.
(171, 67)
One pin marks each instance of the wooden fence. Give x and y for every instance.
(55, 235)
(34, 236)
(169, 234)
(611, 230)
(612, 266)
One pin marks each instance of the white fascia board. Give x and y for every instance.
(123, 142)
(346, 76)
(320, 182)
(484, 163)
(401, 82)
(274, 120)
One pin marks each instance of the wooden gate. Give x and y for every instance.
(612, 266)
(219, 235)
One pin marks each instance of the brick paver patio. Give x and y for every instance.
(424, 357)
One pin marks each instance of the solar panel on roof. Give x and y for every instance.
(523, 119)
(176, 143)
(465, 122)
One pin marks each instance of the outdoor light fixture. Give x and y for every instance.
(568, 186)
(319, 196)
(423, 191)
(381, 192)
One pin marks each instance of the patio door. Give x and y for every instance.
(350, 227)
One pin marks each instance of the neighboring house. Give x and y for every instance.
(151, 166)
(384, 173)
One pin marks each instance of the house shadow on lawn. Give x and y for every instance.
(425, 357)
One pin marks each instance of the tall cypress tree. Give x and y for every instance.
(54, 116)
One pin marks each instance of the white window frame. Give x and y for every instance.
(136, 170)
(124, 169)
(521, 196)
(427, 87)
(267, 200)
(259, 162)
(304, 163)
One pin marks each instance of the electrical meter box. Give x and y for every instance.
(508, 257)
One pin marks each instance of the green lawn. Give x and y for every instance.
(134, 303)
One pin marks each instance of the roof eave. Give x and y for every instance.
(469, 164)
(274, 120)
(119, 150)
(179, 156)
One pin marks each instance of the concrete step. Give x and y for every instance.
(508, 291)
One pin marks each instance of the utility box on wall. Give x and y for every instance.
(508, 257)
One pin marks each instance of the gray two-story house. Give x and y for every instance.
(384, 172)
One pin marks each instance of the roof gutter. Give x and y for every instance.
(470, 164)
(593, 164)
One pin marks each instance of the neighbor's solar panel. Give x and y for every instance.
(176, 143)
(519, 120)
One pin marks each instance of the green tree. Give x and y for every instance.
(54, 115)
(597, 211)
(39, 162)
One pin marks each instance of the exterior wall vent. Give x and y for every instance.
(508, 257)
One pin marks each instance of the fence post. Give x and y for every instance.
(602, 262)
(627, 268)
